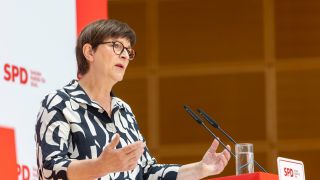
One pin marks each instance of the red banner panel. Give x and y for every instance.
(8, 160)
(88, 11)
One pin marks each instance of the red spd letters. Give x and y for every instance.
(288, 172)
(14, 73)
(23, 172)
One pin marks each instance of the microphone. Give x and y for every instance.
(199, 121)
(216, 125)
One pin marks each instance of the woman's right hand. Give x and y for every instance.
(110, 160)
(118, 160)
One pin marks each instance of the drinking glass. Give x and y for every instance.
(244, 158)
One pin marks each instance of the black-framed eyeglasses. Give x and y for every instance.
(118, 49)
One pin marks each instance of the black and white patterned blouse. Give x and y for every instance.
(72, 126)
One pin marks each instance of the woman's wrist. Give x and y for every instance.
(99, 167)
(201, 170)
(191, 171)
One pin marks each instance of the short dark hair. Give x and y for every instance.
(97, 31)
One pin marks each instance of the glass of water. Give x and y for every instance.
(244, 158)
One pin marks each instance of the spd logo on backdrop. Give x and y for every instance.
(21, 75)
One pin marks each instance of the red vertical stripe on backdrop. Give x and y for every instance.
(8, 159)
(88, 11)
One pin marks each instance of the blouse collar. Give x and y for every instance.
(77, 93)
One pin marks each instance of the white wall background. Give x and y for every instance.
(38, 36)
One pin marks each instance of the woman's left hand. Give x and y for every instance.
(212, 162)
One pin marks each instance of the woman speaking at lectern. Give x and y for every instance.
(84, 131)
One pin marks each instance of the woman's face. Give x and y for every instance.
(107, 64)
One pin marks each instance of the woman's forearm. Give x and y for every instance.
(84, 169)
(190, 171)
